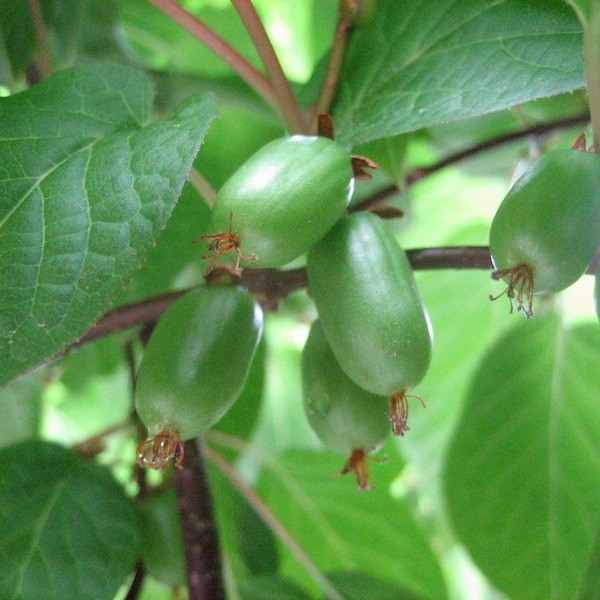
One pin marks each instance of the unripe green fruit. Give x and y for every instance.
(348, 419)
(371, 310)
(282, 200)
(547, 228)
(194, 367)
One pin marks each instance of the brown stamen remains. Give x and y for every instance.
(155, 453)
(357, 464)
(399, 412)
(223, 243)
(520, 287)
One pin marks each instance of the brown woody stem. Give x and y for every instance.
(201, 543)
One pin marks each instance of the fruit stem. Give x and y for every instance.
(288, 107)
(202, 186)
(336, 60)
(263, 511)
(254, 78)
(44, 61)
(591, 63)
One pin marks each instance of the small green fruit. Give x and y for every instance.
(547, 228)
(194, 367)
(348, 419)
(281, 201)
(371, 310)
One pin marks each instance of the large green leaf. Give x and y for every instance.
(522, 476)
(85, 190)
(431, 61)
(342, 528)
(67, 530)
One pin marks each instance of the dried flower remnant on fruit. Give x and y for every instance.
(223, 243)
(155, 453)
(357, 464)
(399, 412)
(519, 288)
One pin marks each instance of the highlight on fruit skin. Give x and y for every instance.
(371, 310)
(281, 201)
(195, 365)
(349, 420)
(156, 452)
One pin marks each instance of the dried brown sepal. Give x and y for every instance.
(384, 211)
(580, 143)
(156, 452)
(357, 464)
(359, 164)
(519, 288)
(223, 243)
(399, 412)
(325, 125)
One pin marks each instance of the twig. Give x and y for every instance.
(288, 107)
(202, 186)
(334, 66)
(422, 172)
(271, 521)
(45, 55)
(136, 584)
(591, 62)
(256, 80)
(201, 543)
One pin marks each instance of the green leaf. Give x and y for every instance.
(426, 62)
(20, 407)
(85, 190)
(248, 543)
(590, 587)
(17, 36)
(597, 290)
(270, 587)
(67, 531)
(355, 585)
(162, 538)
(342, 528)
(522, 475)
(582, 9)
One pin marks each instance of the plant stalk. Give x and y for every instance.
(256, 80)
(334, 66)
(271, 521)
(591, 63)
(44, 62)
(200, 539)
(288, 107)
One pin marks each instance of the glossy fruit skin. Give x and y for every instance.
(344, 416)
(369, 305)
(285, 198)
(550, 220)
(196, 361)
